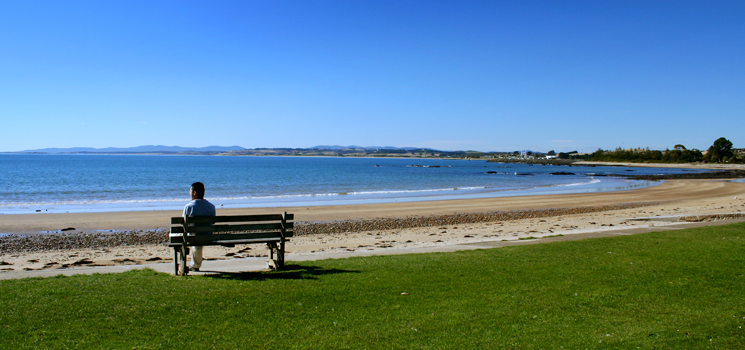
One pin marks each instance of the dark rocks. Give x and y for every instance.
(533, 161)
(82, 262)
(726, 174)
(709, 218)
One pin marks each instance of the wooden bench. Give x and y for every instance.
(227, 231)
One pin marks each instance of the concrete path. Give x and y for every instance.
(258, 264)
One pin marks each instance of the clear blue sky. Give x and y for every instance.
(452, 75)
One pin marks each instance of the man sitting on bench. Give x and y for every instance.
(198, 207)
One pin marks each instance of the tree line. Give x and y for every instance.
(721, 151)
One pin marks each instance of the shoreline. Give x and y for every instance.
(51, 223)
(395, 228)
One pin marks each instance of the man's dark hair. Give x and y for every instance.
(198, 187)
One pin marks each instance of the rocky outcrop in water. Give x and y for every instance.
(533, 161)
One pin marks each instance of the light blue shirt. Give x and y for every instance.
(199, 207)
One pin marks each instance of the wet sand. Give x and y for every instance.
(415, 225)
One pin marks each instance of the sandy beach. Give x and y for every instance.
(415, 224)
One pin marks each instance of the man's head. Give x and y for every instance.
(197, 190)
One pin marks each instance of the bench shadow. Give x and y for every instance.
(289, 272)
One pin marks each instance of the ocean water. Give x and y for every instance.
(100, 183)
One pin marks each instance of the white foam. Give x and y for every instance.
(592, 181)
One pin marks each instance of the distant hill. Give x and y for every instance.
(324, 150)
(336, 147)
(139, 149)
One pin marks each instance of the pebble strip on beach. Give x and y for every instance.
(78, 240)
(725, 174)
(338, 227)
(82, 240)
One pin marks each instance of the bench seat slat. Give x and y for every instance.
(177, 220)
(250, 227)
(226, 237)
(178, 231)
(248, 241)
(207, 229)
(229, 242)
(234, 228)
(244, 234)
(253, 218)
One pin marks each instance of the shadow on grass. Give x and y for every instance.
(289, 272)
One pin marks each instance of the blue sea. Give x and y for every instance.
(31, 183)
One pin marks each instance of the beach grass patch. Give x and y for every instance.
(675, 289)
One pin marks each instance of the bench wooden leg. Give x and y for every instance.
(175, 260)
(181, 268)
(271, 262)
(281, 255)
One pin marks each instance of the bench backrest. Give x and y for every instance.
(226, 227)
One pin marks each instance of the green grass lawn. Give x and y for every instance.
(670, 290)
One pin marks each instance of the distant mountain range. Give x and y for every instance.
(139, 149)
(209, 149)
(336, 147)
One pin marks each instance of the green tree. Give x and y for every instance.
(693, 155)
(719, 150)
(551, 153)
